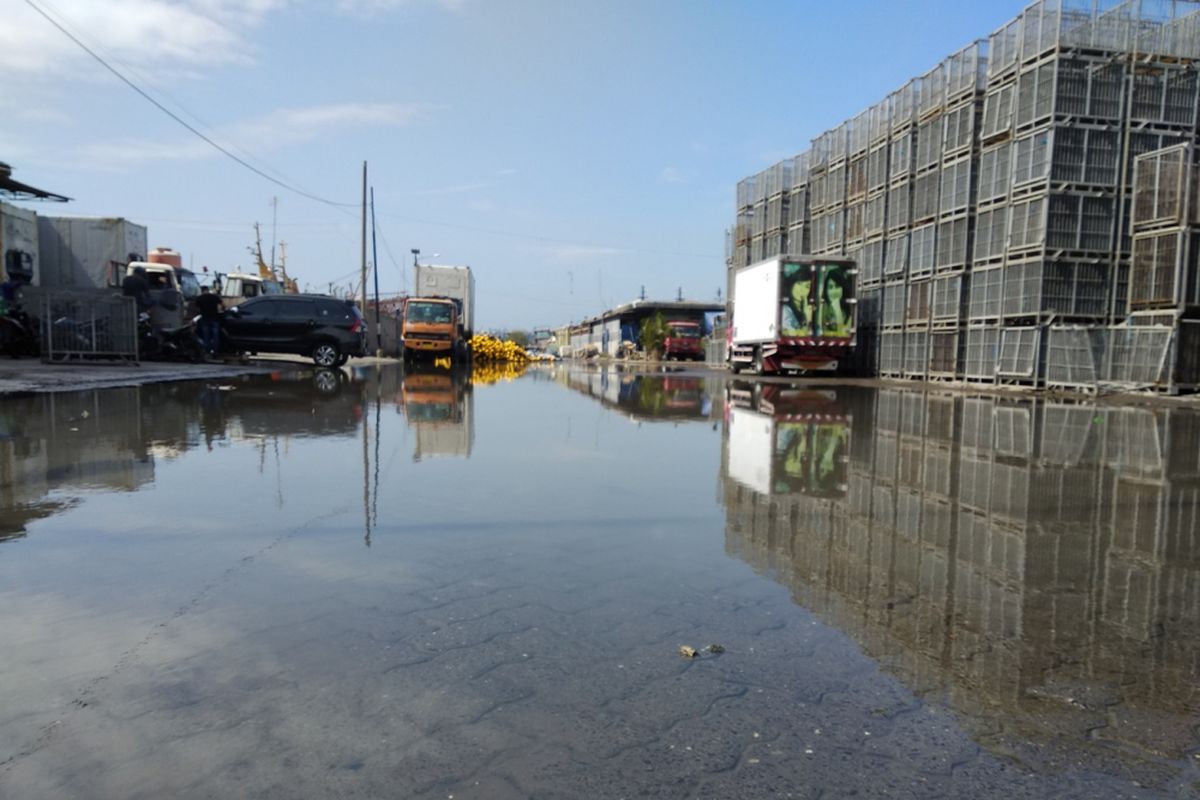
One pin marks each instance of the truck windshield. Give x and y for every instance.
(188, 285)
(428, 312)
(685, 331)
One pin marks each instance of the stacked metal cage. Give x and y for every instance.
(990, 199)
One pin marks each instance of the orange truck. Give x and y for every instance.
(431, 328)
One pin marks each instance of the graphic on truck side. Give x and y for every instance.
(836, 318)
(797, 314)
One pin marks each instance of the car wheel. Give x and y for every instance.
(342, 359)
(326, 354)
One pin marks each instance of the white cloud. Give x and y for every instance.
(371, 7)
(283, 127)
(138, 33)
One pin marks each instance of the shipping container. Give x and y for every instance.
(454, 282)
(88, 252)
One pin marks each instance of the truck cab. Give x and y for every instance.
(238, 286)
(683, 341)
(173, 289)
(430, 329)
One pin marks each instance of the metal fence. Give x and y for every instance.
(85, 325)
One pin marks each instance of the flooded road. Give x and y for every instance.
(376, 585)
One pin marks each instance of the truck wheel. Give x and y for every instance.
(326, 354)
(758, 362)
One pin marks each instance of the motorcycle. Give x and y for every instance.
(168, 344)
(18, 336)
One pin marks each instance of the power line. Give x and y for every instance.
(179, 119)
(548, 239)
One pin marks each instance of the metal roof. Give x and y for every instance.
(20, 191)
(650, 306)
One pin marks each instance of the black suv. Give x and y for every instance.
(326, 328)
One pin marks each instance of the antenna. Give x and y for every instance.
(643, 297)
(679, 297)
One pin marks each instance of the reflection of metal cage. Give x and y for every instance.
(88, 325)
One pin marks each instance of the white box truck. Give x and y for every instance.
(793, 314)
(453, 283)
(87, 252)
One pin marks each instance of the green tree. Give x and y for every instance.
(654, 333)
(520, 338)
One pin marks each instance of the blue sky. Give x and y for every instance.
(570, 152)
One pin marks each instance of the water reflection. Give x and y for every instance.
(784, 440)
(439, 406)
(56, 445)
(646, 397)
(1035, 564)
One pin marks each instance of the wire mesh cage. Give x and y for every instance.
(870, 268)
(966, 70)
(1164, 271)
(991, 233)
(1018, 356)
(1164, 189)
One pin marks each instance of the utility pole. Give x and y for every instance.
(274, 220)
(679, 297)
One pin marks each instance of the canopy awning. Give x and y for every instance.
(16, 190)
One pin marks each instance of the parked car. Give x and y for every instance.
(325, 328)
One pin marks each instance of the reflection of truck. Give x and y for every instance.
(793, 313)
(439, 320)
(683, 341)
(665, 397)
(87, 252)
(438, 406)
(784, 440)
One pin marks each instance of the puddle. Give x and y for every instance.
(422, 586)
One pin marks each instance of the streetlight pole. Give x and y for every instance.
(375, 269)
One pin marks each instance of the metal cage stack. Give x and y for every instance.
(990, 201)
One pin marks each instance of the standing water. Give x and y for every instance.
(594, 583)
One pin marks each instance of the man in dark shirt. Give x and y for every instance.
(136, 286)
(210, 307)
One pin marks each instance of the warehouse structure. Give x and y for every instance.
(989, 203)
(606, 333)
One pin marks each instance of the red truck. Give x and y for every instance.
(683, 341)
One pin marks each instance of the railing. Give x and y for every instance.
(86, 325)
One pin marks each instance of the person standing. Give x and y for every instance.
(210, 307)
(136, 286)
